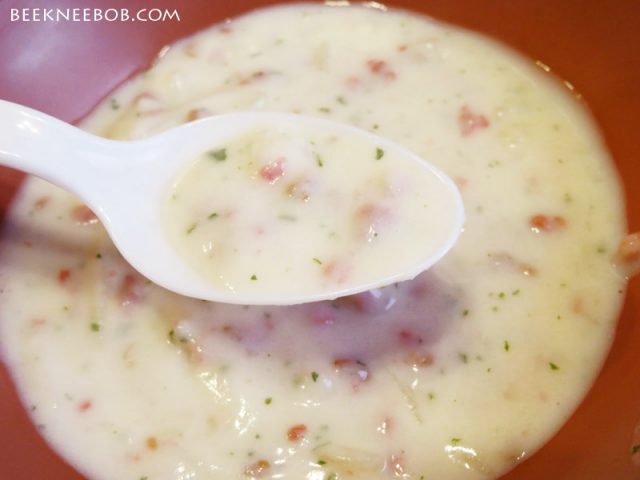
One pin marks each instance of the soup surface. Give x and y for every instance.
(286, 209)
(458, 374)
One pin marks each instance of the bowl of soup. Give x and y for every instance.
(513, 357)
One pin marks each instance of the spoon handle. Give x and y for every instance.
(41, 145)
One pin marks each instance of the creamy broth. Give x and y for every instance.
(287, 210)
(458, 374)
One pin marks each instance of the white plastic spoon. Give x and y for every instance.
(126, 184)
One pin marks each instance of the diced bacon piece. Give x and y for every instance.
(420, 359)
(85, 405)
(355, 369)
(64, 275)
(547, 223)
(408, 338)
(337, 270)
(371, 219)
(40, 203)
(381, 68)
(198, 113)
(83, 215)
(627, 257)
(461, 182)
(273, 171)
(469, 122)
(257, 469)
(130, 289)
(296, 432)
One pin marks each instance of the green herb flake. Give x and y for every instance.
(212, 215)
(431, 396)
(465, 312)
(507, 347)
(516, 292)
(463, 357)
(95, 327)
(254, 277)
(324, 109)
(115, 105)
(379, 153)
(455, 441)
(321, 462)
(144, 478)
(191, 228)
(319, 160)
(98, 255)
(341, 100)
(501, 295)
(314, 376)
(553, 366)
(219, 155)
(268, 400)
(317, 260)
(635, 449)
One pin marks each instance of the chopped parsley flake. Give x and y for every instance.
(114, 104)
(455, 441)
(95, 327)
(553, 366)
(319, 160)
(212, 215)
(267, 401)
(464, 357)
(324, 109)
(379, 153)
(341, 100)
(98, 255)
(314, 376)
(254, 277)
(191, 228)
(516, 292)
(465, 312)
(506, 346)
(321, 462)
(317, 260)
(144, 478)
(218, 155)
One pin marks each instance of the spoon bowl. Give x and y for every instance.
(126, 183)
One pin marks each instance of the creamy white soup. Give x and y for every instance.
(288, 209)
(460, 373)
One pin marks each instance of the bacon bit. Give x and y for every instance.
(84, 406)
(371, 219)
(257, 469)
(40, 203)
(502, 258)
(461, 182)
(272, 172)
(130, 289)
(420, 359)
(197, 113)
(356, 369)
(296, 432)
(337, 270)
(233, 332)
(627, 257)
(83, 214)
(381, 68)
(469, 122)
(64, 275)
(544, 223)
(578, 305)
(152, 443)
(408, 338)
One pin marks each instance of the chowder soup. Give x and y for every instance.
(460, 373)
(287, 210)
